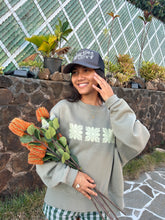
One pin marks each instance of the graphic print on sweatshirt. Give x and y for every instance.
(90, 134)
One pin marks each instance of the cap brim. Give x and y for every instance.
(68, 68)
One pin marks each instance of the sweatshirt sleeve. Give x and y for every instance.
(131, 135)
(53, 173)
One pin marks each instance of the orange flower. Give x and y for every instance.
(33, 159)
(26, 145)
(39, 151)
(59, 135)
(42, 112)
(19, 126)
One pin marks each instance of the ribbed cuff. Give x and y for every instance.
(111, 101)
(72, 176)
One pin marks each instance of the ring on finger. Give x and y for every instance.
(77, 186)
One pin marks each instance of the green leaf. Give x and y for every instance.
(67, 149)
(50, 133)
(50, 123)
(46, 158)
(141, 18)
(50, 158)
(68, 31)
(55, 123)
(37, 134)
(74, 158)
(35, 143)
(43, 139)
(50, 154)
(45, 47)
(43, 130)
(64, 26)
(63, 141)
(37, 40)
(60, 151)
(60, 22)
(26, 139)
(51, 145)
(31, 129)
(65, 157)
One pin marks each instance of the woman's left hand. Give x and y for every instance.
(105, 89)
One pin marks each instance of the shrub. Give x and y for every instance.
(152, 71)
(123, 70)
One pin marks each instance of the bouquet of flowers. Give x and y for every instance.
(46, 143)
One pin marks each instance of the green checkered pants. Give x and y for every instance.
(52, 213)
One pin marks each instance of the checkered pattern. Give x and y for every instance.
(52, 213)
(88, 19)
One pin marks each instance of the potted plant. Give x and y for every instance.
(1, 70)
(50, 46)
(32, 65)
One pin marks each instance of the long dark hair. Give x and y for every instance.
(74, 95)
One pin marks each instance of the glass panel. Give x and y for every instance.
(11, 34)
(13, 2)
(48, 7)
(3, 8)
(74, 12)
(30, 16)
(88, 5)
(85, 36)
(97, 21)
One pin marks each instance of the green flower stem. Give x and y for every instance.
(99, 200)
(74, 162)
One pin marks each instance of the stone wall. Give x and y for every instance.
(20, 97)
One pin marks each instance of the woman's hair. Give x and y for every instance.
(75, 96)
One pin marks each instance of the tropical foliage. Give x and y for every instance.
(50, 45)
(156, 7)
(152, 71)
(123, 70)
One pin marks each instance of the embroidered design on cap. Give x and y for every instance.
(84, 55)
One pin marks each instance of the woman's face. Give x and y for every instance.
(83, 79)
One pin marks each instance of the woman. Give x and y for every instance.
(102, 131)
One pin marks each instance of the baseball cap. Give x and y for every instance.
(88, 58)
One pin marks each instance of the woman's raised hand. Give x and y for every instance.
(105, 89)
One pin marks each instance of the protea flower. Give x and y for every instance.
(42, 112)
(39, 151)
(26, 145)
(19, 126)
(33, 159)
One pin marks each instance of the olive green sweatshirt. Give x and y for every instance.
(91, 132)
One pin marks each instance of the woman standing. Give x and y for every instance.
(104, 134)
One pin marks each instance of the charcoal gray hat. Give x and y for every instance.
(87, 58)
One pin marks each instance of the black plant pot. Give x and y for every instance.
(53, 64)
